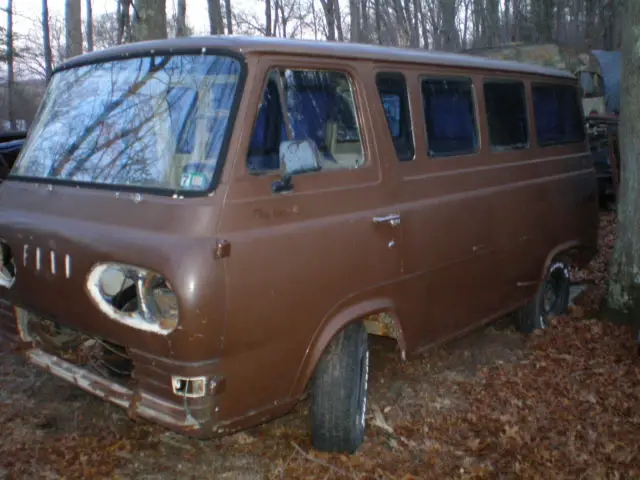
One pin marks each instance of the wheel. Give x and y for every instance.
(339, 392)
(552, 299)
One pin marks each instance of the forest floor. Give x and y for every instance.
(563, 403)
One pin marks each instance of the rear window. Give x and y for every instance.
(506, 114)
(450, 116)
(557, 113)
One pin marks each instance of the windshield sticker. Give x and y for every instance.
(193, 180)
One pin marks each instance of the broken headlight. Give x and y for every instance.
(134, 296)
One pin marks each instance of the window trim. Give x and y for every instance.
(578, 104)
(476, 125)
(530, 131)
(358, 114)
(407, 99)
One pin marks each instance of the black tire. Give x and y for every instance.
(339, 392)
(552, 299)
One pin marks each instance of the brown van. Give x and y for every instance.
(201, 230)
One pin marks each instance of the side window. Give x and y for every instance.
(449, 116)
(558, 118)
(392, 88)
(506, 114)
(320, 107)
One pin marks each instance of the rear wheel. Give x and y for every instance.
(339, 392)
(552, 299)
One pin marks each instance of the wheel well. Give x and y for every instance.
(569, 254)
(380, 321)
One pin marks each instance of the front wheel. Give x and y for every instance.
(339, 392)
(552, 299)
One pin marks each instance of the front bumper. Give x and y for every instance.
(148, 394)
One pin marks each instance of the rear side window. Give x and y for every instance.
(450, 116)
(506, 114)
(392, 88)
(320, 107)
(557, 113)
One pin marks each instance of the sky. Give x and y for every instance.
(28, 11)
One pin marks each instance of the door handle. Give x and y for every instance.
(393, 219)
(479, 248)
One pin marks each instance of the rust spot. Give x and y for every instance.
(382, 324)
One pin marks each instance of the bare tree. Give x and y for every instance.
(624, 277)
(181, 19)
(46, 41)
(150, 19)
(33, 61)
(450, 37)
(267, 17)
(10, 75)
(228, 13)
(123, 15)
(354, 18)
(216, 26)
(105, 30)
(73, 25)
(89, 26)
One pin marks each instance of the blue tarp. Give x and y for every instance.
(610, 66)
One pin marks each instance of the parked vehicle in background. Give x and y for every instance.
(586, 65)
(201, 230)
(10, 145)
(583, 64)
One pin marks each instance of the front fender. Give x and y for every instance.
(331, 325)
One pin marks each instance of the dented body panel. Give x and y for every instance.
(421, 250)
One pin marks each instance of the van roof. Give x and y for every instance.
(245, 44)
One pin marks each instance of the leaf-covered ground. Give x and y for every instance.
(564, 403)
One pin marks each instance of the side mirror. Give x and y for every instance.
(296, 157)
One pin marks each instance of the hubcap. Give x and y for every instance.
(363, 388)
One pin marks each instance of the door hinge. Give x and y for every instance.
(223, 249)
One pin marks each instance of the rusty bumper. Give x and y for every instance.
(149, 394)
(137, 404)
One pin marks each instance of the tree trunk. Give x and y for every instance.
(151, 19)
(378, 16)
(267, 17)
(338, 15)
(450, 35)
(354, 14)
(216, 26)
(124, 20)
(46, 40)
(416, 24)
(493, 22)
(283, 19)
(365, 34)
(478, 23)
(89, 26)
(507, 20)
(423, 23)
(181, 18)
(227, 11)
(330, 18)
(73, 28)
(624, 275)
(10, 79)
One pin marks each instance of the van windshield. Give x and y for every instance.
(153, 122)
